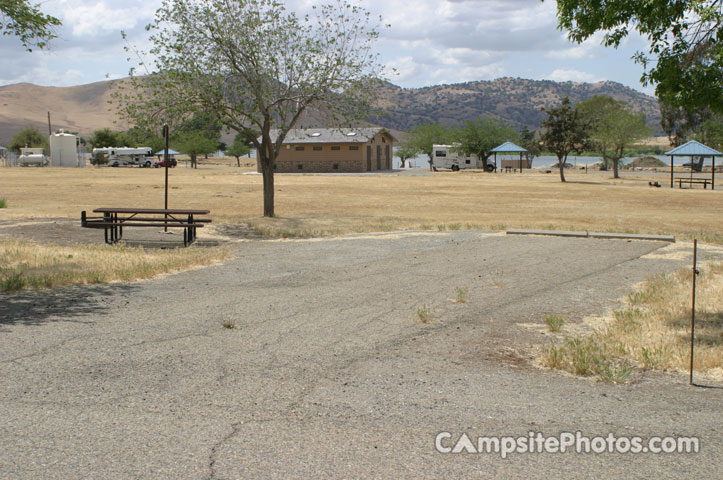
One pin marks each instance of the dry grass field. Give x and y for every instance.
(327, 204)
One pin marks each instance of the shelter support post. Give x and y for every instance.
(672, 161)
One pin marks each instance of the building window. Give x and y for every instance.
(299, 149)
(300, 166)
(468, 161)
(318, 148)
(354, 147)
(335, 166)
(336, 147)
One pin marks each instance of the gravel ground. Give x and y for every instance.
(328, 373)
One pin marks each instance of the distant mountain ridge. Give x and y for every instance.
(85, 108)
(516, 101)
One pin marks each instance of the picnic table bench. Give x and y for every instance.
(691, 181)
(113, 220)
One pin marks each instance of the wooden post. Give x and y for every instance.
(712, 178)
(166, 132)
(672, 161)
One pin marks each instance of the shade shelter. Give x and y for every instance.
(509, 147)
(171, 152)
(693, 149)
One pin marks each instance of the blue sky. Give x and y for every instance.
(430, 42)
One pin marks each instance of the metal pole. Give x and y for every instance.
(165, 162)
(672, 161)
(50, 130)
(692, 311)
(712, 179)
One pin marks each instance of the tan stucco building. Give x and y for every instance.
(332, 150)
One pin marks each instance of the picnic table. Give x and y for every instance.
(114, 220)
(691, 181)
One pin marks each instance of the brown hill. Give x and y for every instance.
(85, 108)
(516, 101)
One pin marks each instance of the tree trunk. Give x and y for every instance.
(193, 160)
(403, 160)
(615, 167)
(431, 163)
(238, 162)
(561, 162)
(267, 171)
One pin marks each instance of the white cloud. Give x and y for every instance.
(562, 75)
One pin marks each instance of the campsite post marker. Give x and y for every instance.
(165, 162)
(692, 312)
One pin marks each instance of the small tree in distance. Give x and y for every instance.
(422, 138)
(405, 153)
(479, 137)
(29, 137)
(564, 132)
(238, 149)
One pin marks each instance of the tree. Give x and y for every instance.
(711, 133)
(193, 144)
(564, 132)
(686, 40)
(423, 137)
(529, 141)
(28, 137)
(405, 153)
(612, 126)
(107, 138)
(238, 148)
(479, 137)
(27, 22)
(139, 137)
(257, 67)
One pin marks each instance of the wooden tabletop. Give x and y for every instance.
(170, 211)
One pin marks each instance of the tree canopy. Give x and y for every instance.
(238, 148)
(25, 21)
(257, 67)
(685, 57)
(28, 137)
(421, 138)
(611, 127)
(563, 132)
(479, 137)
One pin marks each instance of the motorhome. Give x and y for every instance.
(447, 156)
(117, 156)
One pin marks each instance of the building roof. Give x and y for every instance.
(330, 135)
(170, 152)
(694, 148)
(508, 147)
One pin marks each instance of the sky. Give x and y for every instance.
(430, 43)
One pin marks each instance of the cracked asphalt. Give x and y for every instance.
(328, 373)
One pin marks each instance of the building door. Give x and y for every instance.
(379, 157)
(369, 158)
(386, 156)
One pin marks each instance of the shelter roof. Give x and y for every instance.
(508, 147)
(694, 148)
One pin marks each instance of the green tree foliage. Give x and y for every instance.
(194, 143)
(107, 138)
(711, 133)
(257, 67)
(479, 137)
(29, 137)
(529, 141)
(139, 137)
(25, 21)
(421, 138)
(405, 153)
(563, 132)
(611, 127)
(685, 57)
(238, 148)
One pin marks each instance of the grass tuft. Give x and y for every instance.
(3, 203)
(229, 324)
(554, 322)
(461, 294)
(425, 315)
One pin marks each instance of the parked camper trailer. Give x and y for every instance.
(117, 156)
(32, 157)
(445, 156)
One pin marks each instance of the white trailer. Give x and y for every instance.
(446, 156)
(117, 156)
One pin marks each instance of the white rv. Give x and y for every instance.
(117, 156)
(445, 156)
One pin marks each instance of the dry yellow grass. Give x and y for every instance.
(653, 331)
(317, 204)
(25, 265)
